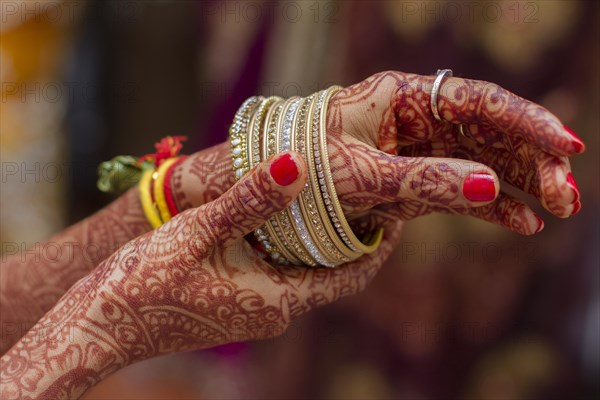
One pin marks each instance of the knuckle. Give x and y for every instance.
(435, 182)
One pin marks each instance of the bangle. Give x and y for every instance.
(159, 189)
(283, 233)
(170, 199)
(328, 192)
(269, 234)
(306, 216)
(316, 180)
(238, 136)
(313, 230)
(285, 218)
(148, 206)
(269, 231)
(256, 127)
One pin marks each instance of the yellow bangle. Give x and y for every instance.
(150, 211)
(159, 189)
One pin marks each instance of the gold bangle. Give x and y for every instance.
(271, 227)
(313, 230)
(308, 201)
(265, 233)
(256, 127)
(150, 211)
(239, 136)
(317, 178)
(320, 246)
(288, 234)
(159, 189)
(327, 187)
(275, 222)
(240, 153)
(262, 234)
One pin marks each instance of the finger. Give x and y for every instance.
(465, 101)
(439, 182)
(365, 177)
(530, 169)
(510, 213)
(266, 190)
(315, 287)
(505, 211)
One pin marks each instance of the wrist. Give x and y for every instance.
(202, 177)
(60, 357)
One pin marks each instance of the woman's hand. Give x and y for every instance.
(388, 151)
(522, 142)
(193, 283)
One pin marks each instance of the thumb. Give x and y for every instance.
(267, 189)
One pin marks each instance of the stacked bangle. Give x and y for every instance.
(170, 199)
(152, 174)
(313, 230)
(148, 205)
(158, 189)
(155, 192)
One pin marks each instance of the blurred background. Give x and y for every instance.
(462, 310)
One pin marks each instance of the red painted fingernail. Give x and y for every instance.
(574, 186)
(540, 224)
(284, 170)
(577, 143)
(479, 186)
(576, 208)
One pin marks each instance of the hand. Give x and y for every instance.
(389, 114)
(193, 283)
(522, 142)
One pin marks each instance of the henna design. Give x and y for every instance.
(189, 284)
(203, 177)
(390, 112)
(32, 283)
(520, 140)
(182, 287)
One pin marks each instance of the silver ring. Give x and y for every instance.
(441, 74)
(464, 130)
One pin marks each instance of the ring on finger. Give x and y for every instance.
(463, 129)
(435, 89)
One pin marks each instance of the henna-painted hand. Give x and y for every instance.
(388, 151)
(522, 142)
(192, 283)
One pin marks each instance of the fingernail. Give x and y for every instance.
(576, 208)
(540, 224)
(577, 143)
(284, 170)
(479, 186)
(574, 186)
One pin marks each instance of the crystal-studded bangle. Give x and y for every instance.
(266, 234)
(316, 168)
(255, 131)
(313, 229)
(239, 137)
(277, 224)
(262, 234)
(326, 184)
(321, 247)
(290, 235)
